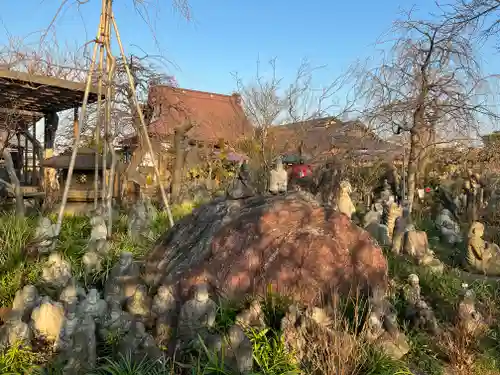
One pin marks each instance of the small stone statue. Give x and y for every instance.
(164, 301)
(25, 301)
(71, 294)
(139, 305)
(344, 202)
(57, 271)
(386, 194)
(242, 185)
(196, 315)
(48, 319)
(15, 331)
(252, 317)
(482, 256)
(402, 225)
(138, 343)
(138, 221)
(93, 306)
(416, 245)
(240, 350)
(469, 319)
(65, 338)
(418, 311)
(99, 235)
(116, 321)
(278, 180)
(123, 278)
(92, 262)
(448, 228)
(81, 356)
(45, 234)
(391, 212)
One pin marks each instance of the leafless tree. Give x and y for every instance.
(429, 86)
(478, 17)
(269, 100)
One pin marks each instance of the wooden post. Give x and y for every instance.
(34, 172)
(75, 122)
(25, 156)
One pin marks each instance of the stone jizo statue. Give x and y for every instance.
(57, 271)
(344, 202)
(278, 180)
(197, 315)
(45, 233)
(482, 256)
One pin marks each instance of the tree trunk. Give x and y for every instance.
(412, 168)
(9, 165)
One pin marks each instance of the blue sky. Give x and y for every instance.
(226, 36)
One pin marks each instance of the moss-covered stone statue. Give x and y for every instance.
(482, 256)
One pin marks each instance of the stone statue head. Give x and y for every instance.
(45, 222)
(126, 259)
(201, 292)
(476, 230)
(469, 296)
(140, 292)
(29, 293)
(413, 280)
(345, 187)
(71, 315)
(236, 335)
(93, 296)
(165, 292)
(55, 259)
(374, 322)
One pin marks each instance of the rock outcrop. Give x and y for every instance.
(243, 246)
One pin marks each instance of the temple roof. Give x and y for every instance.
(31, 96)
(85, 160)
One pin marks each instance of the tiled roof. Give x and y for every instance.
(324, 135)
(216, 116)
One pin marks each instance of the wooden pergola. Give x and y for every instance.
(24, 100)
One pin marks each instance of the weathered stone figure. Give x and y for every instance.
(482, 256)
(45, 234)
(123, 278)
(139, 305)
(278, 180)
(196, 315)
(469, 319)
(448, 228)
(57, 271)
(242, 185)
(25, 301)
(418, 312)
(93, 306)
(252, 317)
(47, 319)
(15, 331)
(344, 202)
(402, 225)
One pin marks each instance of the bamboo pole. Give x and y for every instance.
(106, 11)
(110, 65)
(99, 105)
(77, 140)
(143, 123)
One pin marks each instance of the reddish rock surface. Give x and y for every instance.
(244, 246)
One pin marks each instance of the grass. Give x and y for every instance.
(344, 353)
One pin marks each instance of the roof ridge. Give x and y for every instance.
(202, 93)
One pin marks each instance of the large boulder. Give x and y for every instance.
(243, 246)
